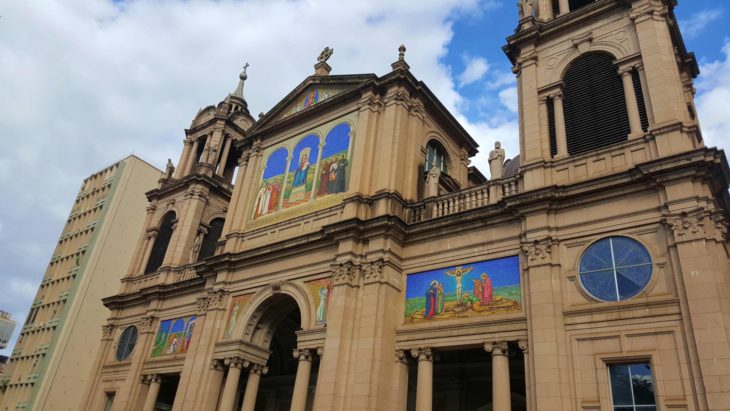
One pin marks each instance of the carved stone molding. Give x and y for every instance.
(107, 331)
(697, 225)
(654, 9)
(497, 348)
(146, 324)
(345, 273)
(215, 299)
(203, 302)
(320, 352)
(303, 354)
(401, 356)
(374, 103)
(539, 251)
(373, 271)
(583, 43)
(259, 369)
(422, 354)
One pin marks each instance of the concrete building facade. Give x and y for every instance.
(339, 253)
(54, 353)
(7, 326)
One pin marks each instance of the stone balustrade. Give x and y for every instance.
(163, 276)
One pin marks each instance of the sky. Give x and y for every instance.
(84, 83)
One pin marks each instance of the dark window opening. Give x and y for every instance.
(231, 165)
(551, 127)
(640, 100)
(109, 401)
(201, 147)
(210, 240)
(159, 248)
(556, 7)
(435, 156)
(168, 389)
(576, 4)
(594, 104)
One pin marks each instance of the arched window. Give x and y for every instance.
(435, 156)
(207, 248)
(594, 104)
(159, 248)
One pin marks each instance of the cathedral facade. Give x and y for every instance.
(339, 253)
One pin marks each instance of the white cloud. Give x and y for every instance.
(508, 97)
(475, 68)
(696, 23)
(712, 100)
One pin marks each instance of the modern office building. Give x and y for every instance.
(7, 326)
(55, 351)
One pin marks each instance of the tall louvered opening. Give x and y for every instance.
(640, 99)
(551, 127)
(594, 104)
(576, 4)
(159, 248)
(207, 248)
(201, 148)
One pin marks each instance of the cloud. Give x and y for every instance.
(475, 68)
(713, 93)
(696, 23)
(508, 97)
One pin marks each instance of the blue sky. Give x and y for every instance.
(87, 82)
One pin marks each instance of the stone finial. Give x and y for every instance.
(401, 63)
(322, 68)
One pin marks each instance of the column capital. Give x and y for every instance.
(320, 352)
(151, 379)
(236, 362)
(146, 324)
(303, 354)
(558, 95)
(107, 331)
(423, 354)
(625, 71)
(217, 364)
(401, 356)
(259, 369)
(497, 348)
(524, 346)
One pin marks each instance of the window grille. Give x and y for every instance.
(159, 248)
(207, 248)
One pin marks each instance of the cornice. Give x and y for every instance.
(215, 184)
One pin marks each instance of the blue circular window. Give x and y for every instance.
(615, 269)
(126, 343)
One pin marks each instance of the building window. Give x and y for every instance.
(594, 104)
(159, 248)
(615, 269)
(632, 387)
(109, 401)
(207, 248)
(126, 343)
(435, 156)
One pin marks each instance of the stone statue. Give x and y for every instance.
(432, 182)
(196, 247)
(496, 161)
(212, 154)
(526, 8)
(169, 169)
(325, 55)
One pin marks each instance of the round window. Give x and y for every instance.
(615, 269)
(126, 343)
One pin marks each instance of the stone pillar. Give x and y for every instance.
(545, 125)
(645, 93)
(400, 384)
(501, 400)
(424, 387)
(632, 106)
(224, 156)
(151, 399)
(147, 251)
(252, 386)
(230, 389)
(564, 7)
(182, 165)
(561, 138)
(191, 158)
(301, 383)
(528, 377)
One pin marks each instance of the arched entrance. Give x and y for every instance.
(285, 382)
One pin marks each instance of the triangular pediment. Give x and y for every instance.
(313, 92)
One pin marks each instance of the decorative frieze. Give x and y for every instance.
(373, 271)
(147, 324)
(215, 299)
(698, 225)
(345, 273)
(107, 331)
(539, 251)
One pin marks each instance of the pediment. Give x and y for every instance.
(311, 93)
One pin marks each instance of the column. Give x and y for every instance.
(400, 385)
(564, 7)
(252, 386)
(148, 250)
(182, 165)
(191, 158)
(151, 399)
(545, 125)
(301, 383)
(645, 93)
(230, 389)
(424, 387)
(224, 156)
(528, 377)
(561, 138)
(500, 375)
(632, 106)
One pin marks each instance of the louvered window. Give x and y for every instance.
(207, 248)
(576, 4)
(594, 104)
(551, 127)
(159, 248)
(640, 100)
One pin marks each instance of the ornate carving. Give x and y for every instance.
(146, 323)
(697, 225)
(401, 356)
(423, 354)
(345, 273)
(325, 54)
(303, 354)
(259, 369)
(151, 379)
(373, 271)
(497, 348)
(320, 352)
(215, 299)
(203, 302)
(538, 250)
(236, 362)
(217, 365)
(374, 103)
(523, 346)
(720, 226)
(276, 286)
(107, 331)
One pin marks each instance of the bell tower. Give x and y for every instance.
(603, 85)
